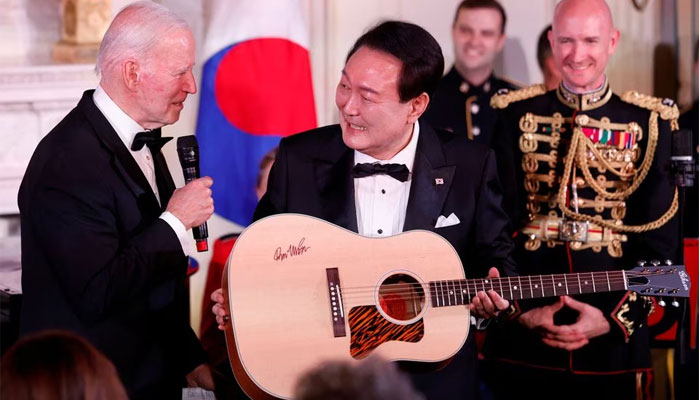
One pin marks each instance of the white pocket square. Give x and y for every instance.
(443, 222)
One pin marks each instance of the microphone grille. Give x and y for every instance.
(186, 141)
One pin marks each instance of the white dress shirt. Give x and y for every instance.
(380, 200)
(127, 128)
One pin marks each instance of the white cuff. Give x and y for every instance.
(186, 241)
(480, 323)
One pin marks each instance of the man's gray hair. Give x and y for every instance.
(133, 33)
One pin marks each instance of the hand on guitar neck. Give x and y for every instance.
(488, 304)
(589, 324)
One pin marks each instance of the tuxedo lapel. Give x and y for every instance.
(335, 183)
(430, 182)
(166, 185)
(123, 161)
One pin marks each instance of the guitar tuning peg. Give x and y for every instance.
(668, 262)
(661, 303)
(641, 263)
(655, 263)
(675, 303)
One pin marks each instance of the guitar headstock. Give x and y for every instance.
(659, 279)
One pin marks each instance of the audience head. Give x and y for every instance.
(583, 38)
(545, 59)
(385, 86)
(478, 35)
(148, 86)
(58, 365)
(372, 379)
(265, 166)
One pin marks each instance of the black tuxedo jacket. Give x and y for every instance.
(312, 175)
(97, 260)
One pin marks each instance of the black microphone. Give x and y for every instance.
(188, 151)
(682, 163)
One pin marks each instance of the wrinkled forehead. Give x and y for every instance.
(581, 25)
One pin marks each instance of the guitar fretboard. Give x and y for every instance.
(461, 291)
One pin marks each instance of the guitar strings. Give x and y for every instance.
(546, 286)
(599, 278)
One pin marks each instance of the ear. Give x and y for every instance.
(418, 105)
(131, 74)
(614, 38)
(501, 42)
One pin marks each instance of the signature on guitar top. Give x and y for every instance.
(300, 291)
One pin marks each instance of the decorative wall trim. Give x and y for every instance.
(33, 98)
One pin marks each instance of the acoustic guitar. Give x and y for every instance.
(301, 291)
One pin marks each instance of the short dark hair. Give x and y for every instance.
(370, 379)
(419, 53)
(544, 48)
(492, 4)
(60, 365)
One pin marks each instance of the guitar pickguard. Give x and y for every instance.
(369, 329)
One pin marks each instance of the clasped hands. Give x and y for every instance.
(590, 323)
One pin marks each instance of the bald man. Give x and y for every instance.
(604, 210)
(104, 231)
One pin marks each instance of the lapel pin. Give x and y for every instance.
(439, 181)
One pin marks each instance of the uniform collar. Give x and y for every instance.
(585, 101)
(465, 86)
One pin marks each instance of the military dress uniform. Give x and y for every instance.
(587, 185)
(465, 109)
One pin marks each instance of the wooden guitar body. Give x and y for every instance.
(301, 291)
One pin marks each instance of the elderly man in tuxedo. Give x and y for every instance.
(104, 231)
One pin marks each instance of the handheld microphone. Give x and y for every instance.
(188, 152)
(682, 163)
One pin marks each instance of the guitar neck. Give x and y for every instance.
(461, 291)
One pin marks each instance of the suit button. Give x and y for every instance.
(380, 231)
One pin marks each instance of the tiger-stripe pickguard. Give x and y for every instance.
(369, 329)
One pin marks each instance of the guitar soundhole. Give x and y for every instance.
(401, 297)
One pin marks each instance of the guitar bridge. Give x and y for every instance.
(335, 298)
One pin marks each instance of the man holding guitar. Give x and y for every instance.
(384, 171)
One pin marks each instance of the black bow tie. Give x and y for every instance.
(396, 171)
(152, 139)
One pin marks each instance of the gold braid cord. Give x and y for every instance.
(577, 152)
(644, 168)
(667, 112)
(500, 101)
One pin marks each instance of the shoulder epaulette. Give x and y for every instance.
(666, 108)
(502, 100)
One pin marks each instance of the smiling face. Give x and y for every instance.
(477, 38)
(582, 39)
(373, 119)
(166, 80)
